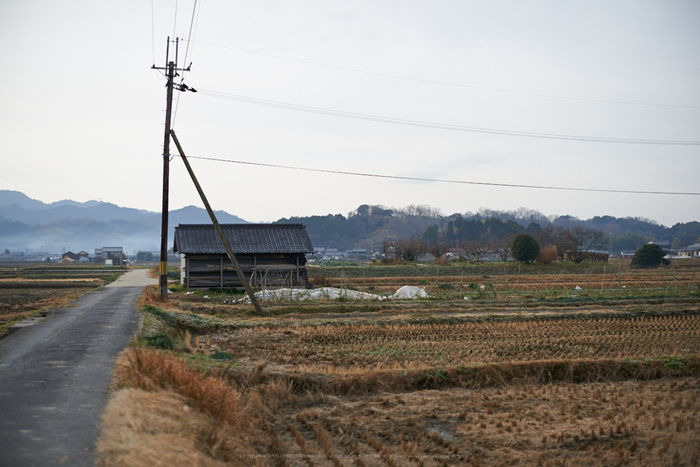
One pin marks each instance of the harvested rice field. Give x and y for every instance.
(337, 349)
(29, 288)
(576, 380)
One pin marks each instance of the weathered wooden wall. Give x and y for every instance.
(268, 270)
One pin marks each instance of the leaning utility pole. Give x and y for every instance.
(219, 230)
(171, 69)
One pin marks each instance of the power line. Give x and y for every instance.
(189, 35)
(153, 35)
(184, 60)
(436, 180)
(445, 83)
(441, 126)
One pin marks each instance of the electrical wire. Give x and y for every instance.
(441, 126)
(187, 49)
(445, 83)
(437, 180)
(153, 35)
(189, 36)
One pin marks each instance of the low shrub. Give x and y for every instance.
(547, 255)
(221, 356)
(159, 340)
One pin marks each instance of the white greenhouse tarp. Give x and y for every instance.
(331, 293)
(410, 291)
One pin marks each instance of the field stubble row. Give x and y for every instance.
(447, 286)
(351, 348)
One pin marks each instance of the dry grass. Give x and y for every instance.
(166, 412)
(151, 296)
(153, 370)
(146, 428)
(547, 255)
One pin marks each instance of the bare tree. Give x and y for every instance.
(501, 246)
(573, 242)
(580, 240)
(438, 250)
(552, 235)
(587, 239)
(474, 250)
(410, 249)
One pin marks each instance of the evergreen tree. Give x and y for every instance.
(649, 256)
(524, 248)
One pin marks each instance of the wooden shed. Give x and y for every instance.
(269, 255)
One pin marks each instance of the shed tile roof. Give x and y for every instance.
(243, 238)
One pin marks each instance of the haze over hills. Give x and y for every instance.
(30, 225)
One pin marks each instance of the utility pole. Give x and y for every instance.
(171, 70)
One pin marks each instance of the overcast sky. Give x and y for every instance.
(82, 113)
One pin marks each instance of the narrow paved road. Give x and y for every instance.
(54, 376)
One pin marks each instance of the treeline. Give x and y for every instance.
(370, 225)
(367, 226)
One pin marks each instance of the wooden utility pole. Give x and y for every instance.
(171, 70)
(219, 230)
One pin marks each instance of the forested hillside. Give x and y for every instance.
(368, 226)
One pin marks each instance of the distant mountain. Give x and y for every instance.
(195, 215)
(70, 202)
(100, 211)
(28, 224)
(9, 197)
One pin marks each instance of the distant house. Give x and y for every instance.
(358, 253)
(69, 257)
(691, 251)
(114, 253)
(36, 256)
(333, 253)
(270, 255)
(664, 244)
